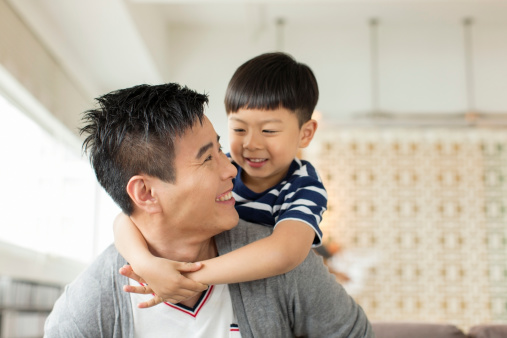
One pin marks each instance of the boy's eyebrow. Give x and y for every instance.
(263, 121)
(205, 148)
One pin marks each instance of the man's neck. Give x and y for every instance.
(184, 251)
(181, 247)
(164, 242)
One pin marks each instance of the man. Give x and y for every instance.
(158, 156)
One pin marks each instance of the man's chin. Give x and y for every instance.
(232, 221)
(227, 223)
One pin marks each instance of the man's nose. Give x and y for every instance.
(228, 169)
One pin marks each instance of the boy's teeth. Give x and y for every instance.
(257, 159)
(225, 197)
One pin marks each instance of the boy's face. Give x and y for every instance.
(264, 143)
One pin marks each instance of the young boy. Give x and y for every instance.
(269, 102)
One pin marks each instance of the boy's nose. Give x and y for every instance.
(251, 142)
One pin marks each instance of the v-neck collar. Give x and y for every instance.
(194, 311)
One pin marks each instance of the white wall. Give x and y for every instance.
(421, 66)
(421, 63)
(491, 67)
(205, 58)
(420, 52)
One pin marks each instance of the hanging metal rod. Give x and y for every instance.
(280, 23)
(469, 65)
(374, 65)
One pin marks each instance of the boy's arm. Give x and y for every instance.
(164, 276)
(276, 254)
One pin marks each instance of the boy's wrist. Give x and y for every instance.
(143, 263)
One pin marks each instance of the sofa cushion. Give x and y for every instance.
(488, 331)
(415, 330)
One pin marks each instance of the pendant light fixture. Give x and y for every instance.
(471, 113)
(374, 67)
(280, 23)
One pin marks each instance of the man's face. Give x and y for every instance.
(200, 200)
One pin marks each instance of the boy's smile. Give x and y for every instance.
(256, 162)
(264, 143)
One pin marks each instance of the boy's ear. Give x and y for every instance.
(307, 131)
(142, 193)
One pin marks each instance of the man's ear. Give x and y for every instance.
(140, 190)
(307, 132)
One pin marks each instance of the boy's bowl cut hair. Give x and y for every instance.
(271, 81)
(133, 131)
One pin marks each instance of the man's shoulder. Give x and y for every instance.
(247, 232)
(101, 273)
(109, 258)
(92, 298)
(242, 234)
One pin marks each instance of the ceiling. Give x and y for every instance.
(105, 44)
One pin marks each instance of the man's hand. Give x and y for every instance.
(172, 286)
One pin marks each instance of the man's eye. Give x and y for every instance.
(209, 158)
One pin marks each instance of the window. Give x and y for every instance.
(50, 199)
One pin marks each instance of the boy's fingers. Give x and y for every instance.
(127, 271)
(189, 267)
(192, 286)
(152, 302)
(202, 287)
(142, 289)
(157, 300)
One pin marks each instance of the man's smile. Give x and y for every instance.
(224, 197)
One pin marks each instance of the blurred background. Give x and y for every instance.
(412, 142)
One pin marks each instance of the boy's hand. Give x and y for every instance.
(144, 289)
(167, 284)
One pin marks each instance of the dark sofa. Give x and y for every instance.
(428, 330)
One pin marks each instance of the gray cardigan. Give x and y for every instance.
(305, 302)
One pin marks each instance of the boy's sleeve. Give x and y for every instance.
(305, 201)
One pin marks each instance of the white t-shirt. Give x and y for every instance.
(212, 316)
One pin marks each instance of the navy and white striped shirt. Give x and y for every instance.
(299, 196)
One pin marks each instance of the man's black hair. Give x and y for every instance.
(133, 132)
(272, 81)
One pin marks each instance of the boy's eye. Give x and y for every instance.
(238, 130)
(269, 131)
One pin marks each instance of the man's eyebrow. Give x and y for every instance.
(205, 148)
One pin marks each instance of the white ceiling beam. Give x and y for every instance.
(97, 41)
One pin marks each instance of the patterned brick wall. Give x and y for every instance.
(428, 210)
